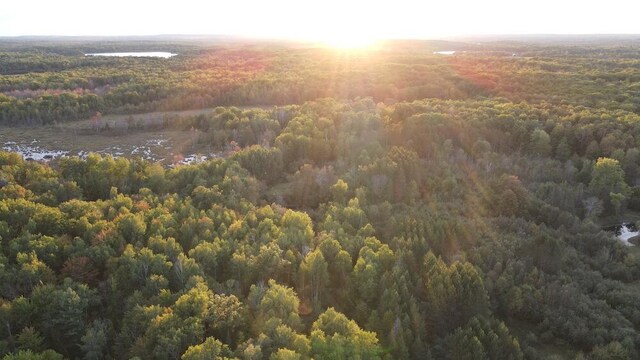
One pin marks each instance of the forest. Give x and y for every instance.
(391, 203)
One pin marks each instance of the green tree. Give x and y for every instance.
(453, 294)
(612, 351)
(339, 191)
(297, 231)
(334, 336)
(563, 151)
(263, 163)
(607, 179)
(30, 339)
(483, 339)
(226, 316)
(279, 302)
(285, 354)
(61, 313)
(540, 143)
(29, 355)
(94, 341)
(209, 349)
(314, 275)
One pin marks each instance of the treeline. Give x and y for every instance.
(332, 230)
(208, 75)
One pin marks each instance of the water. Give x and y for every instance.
(158, 54)
(146, 151)
(34, 152)
(624, 232)
(444, 52)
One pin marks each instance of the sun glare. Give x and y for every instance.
(350, 42)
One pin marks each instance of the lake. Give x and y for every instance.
(159, 54)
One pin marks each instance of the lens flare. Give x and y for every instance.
(350, 41)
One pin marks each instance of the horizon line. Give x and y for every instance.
(286, 38)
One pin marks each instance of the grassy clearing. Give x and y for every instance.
(172, 143)
(164, 145)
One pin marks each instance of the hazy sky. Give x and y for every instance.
(318, 19)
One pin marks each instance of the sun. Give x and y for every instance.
(350, 42)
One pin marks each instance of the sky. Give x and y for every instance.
(319, 19)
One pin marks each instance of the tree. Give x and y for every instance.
(94, 341)
(263, 163)
(508, 205)
(285, 354)
(211, 348)
(612, 351)
(297, 231)
(374, 259)
(31, 272)
(453, 294)
(563, 151)
(592, 207)
(482, 339)
(80, 269)
(314, 275)
(30, 339)
(540, 143)
(608, 178)
(617, 199)
(339, 191)
(334, 336)
(61, 314)
(279, 302)
(30, 355)
(226, 316)
(132, 227)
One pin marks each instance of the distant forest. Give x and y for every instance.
(43, 83)
(370, 204)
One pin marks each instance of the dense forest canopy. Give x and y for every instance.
(383, 204)
(43, 83)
